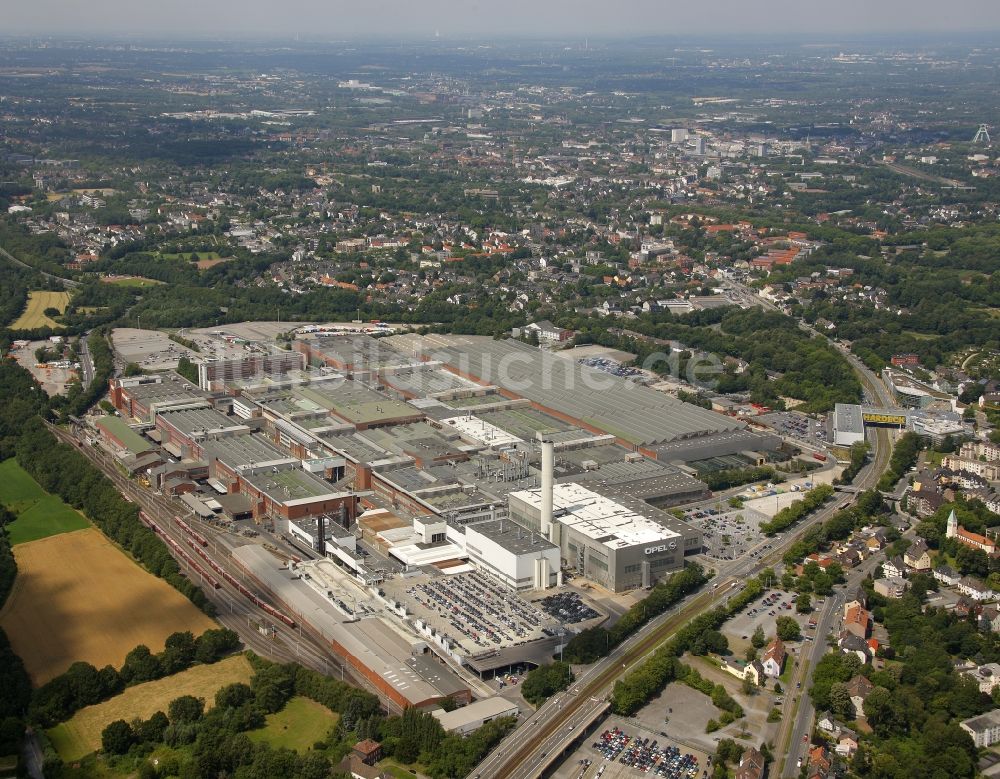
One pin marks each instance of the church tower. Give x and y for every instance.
(952, 531)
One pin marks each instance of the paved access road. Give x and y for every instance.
(528, 747)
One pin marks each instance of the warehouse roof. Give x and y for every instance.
(242, 451)
(474, 713)
(200, 420)
(511, 536)
(290, 485)
(606, 521)
(124, 434)
(610, 403)
(848, 419)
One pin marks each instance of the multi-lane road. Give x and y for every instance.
(528, 750)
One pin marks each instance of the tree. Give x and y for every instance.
(788, 629)
(186, 708)
(141, 665)
(117, 738)
(840, 701)
(748, 687)
(758, 639)
(804, 604)
(546, 680)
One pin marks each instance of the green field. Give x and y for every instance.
(187, 256)
(134, 281)
(298, 726)
(81, 735)
(39, 515)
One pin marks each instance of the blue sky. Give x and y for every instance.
(498, 18)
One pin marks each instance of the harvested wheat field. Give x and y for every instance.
(34, 317)
(81, 735)
(78, 597)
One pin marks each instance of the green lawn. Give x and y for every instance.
(298, 726)
(187, 256)
(390, 766)
(136, 281)
(39, 515)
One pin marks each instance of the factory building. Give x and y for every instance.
(621, 544)
(142, 397)
(519, 558)
(214, 375)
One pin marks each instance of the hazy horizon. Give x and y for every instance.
(475, 19)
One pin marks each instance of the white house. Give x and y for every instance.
(974, 588)
(984, 729)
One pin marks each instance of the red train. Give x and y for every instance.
(179, 551)
(191, 531)
(182, 553)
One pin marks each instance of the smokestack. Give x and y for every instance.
(548, 476)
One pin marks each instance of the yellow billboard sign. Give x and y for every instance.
(884, 419)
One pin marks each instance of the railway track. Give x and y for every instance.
(510, 758)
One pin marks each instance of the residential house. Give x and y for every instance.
(353, 766)
(965, 606)
(989, 619)
(984, 729)
(368, 751)
(828, 724)
(987, 676)
(819, 763)
(917, 556)
(891, 587)
(773, 659)
(876, 541)
(859, 688)
(754, 671)
(546, 332)
(975, 589)
(894, 567)
(857, 598)
(857, 621)
(752, 764)
(849, 642)
(946, 575)
(847, 743)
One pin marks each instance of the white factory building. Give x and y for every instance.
(520, 558)
(617, 543)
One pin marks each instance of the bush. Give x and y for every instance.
(546, 680)
(117, 738)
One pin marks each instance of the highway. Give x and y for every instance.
(527, 751)
(60, 279)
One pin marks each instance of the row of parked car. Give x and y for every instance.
(639, 753)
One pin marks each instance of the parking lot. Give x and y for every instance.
(623, 747)
(792, 424)
(728, 533)
(763, 613)
(613, 367)
(645, 754)
(472, 609)
(567, 607)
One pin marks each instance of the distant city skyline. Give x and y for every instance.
(479, 20)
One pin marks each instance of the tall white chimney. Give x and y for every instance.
(548, 477)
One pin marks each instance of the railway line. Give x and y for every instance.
(523, 755)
